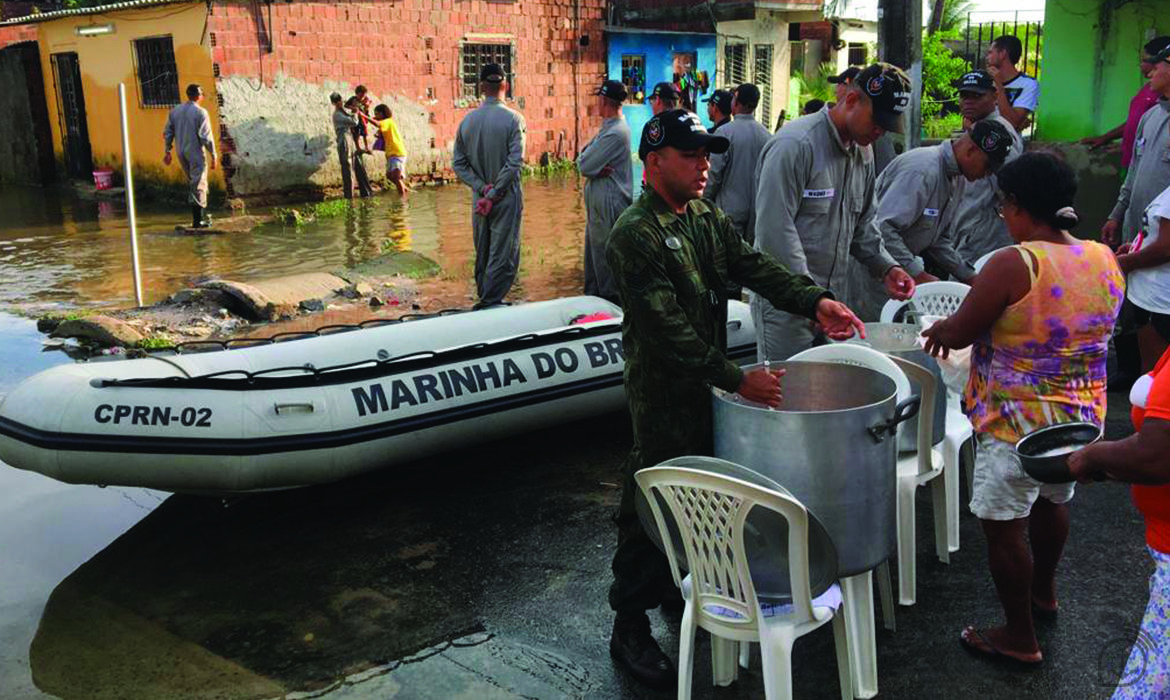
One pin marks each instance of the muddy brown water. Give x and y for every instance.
(58, 251)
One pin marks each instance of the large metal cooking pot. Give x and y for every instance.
(765, 535)
(901, 340)
(831, 444)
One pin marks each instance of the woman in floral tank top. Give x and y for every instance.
(1039, 316)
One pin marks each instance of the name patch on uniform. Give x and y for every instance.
(673, 243)
(930, 212)
(820, 194)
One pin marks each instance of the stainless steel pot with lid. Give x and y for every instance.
(831, 444)
(901, 340)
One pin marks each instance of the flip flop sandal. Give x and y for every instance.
(991, 653)
(1040, 613)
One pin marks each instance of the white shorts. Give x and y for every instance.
(1002, 490)
(395, 163)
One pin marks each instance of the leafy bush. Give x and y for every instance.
(942, 127)
(940, 68)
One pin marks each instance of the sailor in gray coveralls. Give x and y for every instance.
(489, 153)
(605, 162)
(189, 127)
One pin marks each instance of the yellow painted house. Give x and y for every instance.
(156, 48)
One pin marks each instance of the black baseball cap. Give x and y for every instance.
(665, 91)
(1163, 55)
(492, 73)
(846, 76)
(613, 89)
(722, 101)
(748, 95)
(992, 138)
(979, 81)
(678, 128)
(1155, 46)
(888, 87)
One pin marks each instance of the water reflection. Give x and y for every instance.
(47, 528)
(60, 251)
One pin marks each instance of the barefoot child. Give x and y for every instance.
(394, 147)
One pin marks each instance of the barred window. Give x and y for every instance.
(762, 77)
(158, 77)
(634, 77)
(858, 55)
(476, 56)
(735, 64)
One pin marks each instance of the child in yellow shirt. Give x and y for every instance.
(394, 147)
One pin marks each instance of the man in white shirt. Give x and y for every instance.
(1018, 93)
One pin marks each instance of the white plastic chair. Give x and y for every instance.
(944, 299)
(858, 590)
(710, 511)
(916, 469)
(978, 264)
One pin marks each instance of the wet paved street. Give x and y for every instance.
(477, 574)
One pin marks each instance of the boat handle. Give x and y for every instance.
(904, 412)
(307, 407)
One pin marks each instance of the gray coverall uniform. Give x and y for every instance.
(915, 199)
(731, 182)
(489, 152)
(1149, 171)
(605, 199)
(813, 200)
(189, 127)
(978, 229)
(343, 125)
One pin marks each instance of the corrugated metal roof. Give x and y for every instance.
(98, 10)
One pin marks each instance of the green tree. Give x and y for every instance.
(940, 68)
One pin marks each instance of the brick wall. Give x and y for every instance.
(17, 33)
(407, 52)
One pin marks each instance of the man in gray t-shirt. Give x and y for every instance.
(344, 122)
(489, 153)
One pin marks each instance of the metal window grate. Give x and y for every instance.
(858, 55)
(476, 56)
(158, 77)
(762, 77)
(634, 77)
(735, 64)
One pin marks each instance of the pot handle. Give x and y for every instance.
(904, 412)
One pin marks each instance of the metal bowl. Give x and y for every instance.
(1044, 453)
(766, 535)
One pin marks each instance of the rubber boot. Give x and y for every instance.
(196, 216)
(633, 647)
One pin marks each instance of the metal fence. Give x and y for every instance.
(978, 37)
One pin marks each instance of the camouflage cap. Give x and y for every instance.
(888, 87)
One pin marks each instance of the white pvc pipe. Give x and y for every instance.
(130, 196)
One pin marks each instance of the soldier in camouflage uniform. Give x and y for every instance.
(673, 255)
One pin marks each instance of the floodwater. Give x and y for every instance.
(60, 252)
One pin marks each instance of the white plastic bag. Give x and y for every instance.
(956, 368)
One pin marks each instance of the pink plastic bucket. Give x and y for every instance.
(104, 179)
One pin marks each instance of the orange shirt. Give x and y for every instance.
(1154, 501)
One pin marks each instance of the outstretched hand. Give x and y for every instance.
(934, 345)
(899, 284)
(838, 321)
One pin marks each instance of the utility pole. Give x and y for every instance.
(900, 43)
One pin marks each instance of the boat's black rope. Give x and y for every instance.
(308, 373)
